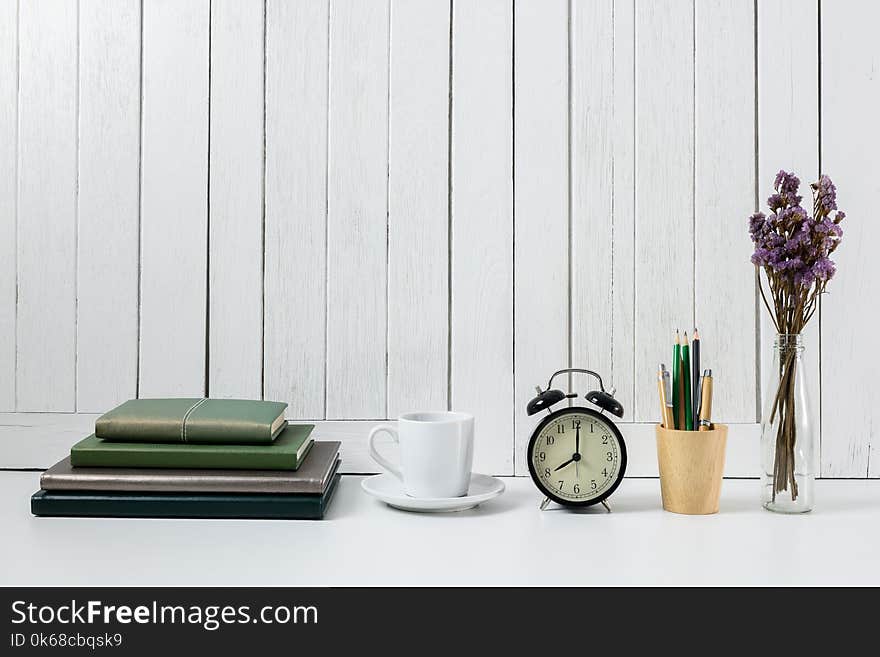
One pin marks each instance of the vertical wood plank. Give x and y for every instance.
(235, 290)
(174, 182)
(482, 227)
(8, 181)
(296, 196)
(45, 377)
(108, 205)
(357, 210)
(724, 184)
(664, 239)
(623, 207)
(541, 208)
(592, 193)
(850, 142)
(418, 212)
(788, 138)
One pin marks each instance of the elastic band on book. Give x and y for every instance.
(186, 417)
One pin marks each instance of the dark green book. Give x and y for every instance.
(182, 505)
(193, 420)
(286, 453)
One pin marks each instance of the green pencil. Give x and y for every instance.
(686, 375)
(676, 379)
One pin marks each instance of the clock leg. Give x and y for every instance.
(545, 503)
(607, 508)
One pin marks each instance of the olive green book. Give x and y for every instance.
(193, 420)
(285, 453)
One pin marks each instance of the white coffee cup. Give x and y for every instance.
(436, 452)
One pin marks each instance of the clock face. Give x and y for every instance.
(577, 456)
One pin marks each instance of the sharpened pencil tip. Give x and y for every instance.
(696, 334)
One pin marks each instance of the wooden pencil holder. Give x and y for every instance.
(691, 468)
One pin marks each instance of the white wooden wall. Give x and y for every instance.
(369, 206)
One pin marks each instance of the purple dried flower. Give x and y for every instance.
(824, 269)
(759, 257)
(786, 198)
(757, 223)
(794, 264)
(792, 215)
(776, 259)
(805, 277)
(800, 237)
(826, 194)
(786, 183)
(776, 202)
(792, 246)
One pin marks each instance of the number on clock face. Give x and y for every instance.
(577, 456)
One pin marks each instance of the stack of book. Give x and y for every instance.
(193, 458)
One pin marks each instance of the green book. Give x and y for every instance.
(286, 453)
(193, 420)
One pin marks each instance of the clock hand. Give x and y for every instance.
(571, 460)
(577, 438)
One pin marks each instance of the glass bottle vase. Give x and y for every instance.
(789, 450)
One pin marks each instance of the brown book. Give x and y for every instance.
(311, 478)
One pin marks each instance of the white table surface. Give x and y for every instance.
(507, 541)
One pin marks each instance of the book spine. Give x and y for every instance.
(161, 430)
(153, 506)
(190, 484)
(153, 458)
(197, 432)
(209, 433)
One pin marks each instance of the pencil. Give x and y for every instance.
(695, 378)
(676, 387)
(686, 380)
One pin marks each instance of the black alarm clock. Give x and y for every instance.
(576, 455)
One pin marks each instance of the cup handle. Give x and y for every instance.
(381, 460)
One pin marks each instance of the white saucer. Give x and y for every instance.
(389, 489)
